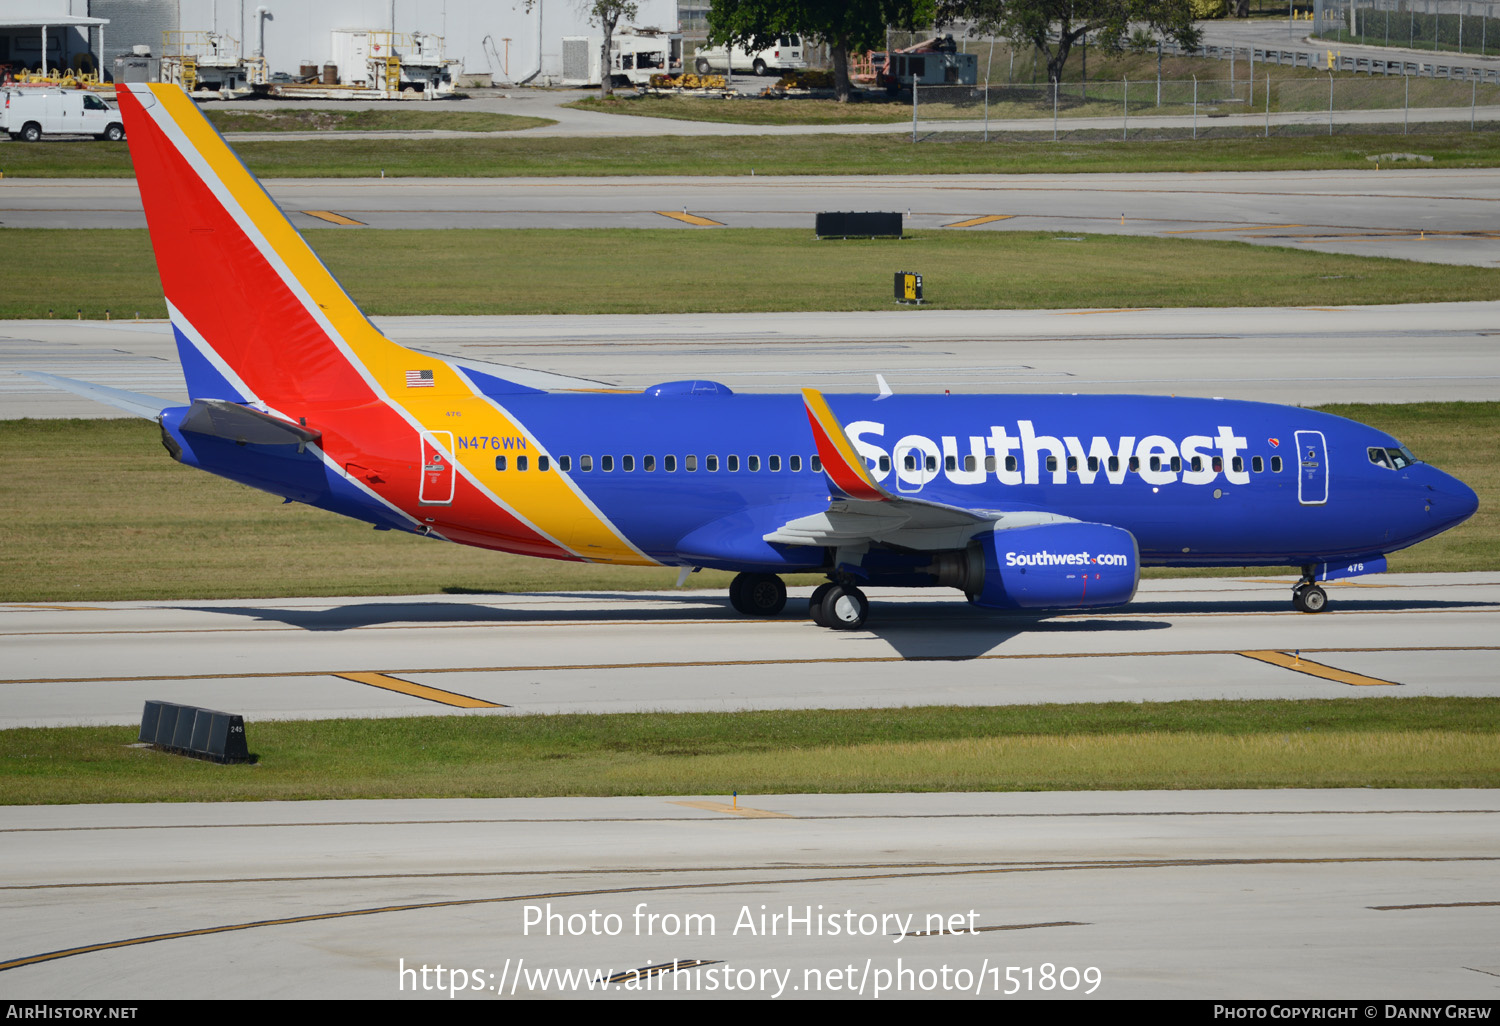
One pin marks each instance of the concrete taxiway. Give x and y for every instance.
(1358, 894)
(1397, 634)
(1310, 355)
(1436, 216)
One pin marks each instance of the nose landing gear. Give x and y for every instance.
(1308, 597)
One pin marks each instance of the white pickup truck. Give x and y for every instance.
(29, 113)
(786, 55)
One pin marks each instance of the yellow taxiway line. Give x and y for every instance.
(406, 687)
(687, 218)
(1294, 662)
(332, 218)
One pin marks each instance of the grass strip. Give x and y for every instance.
(1216, 149)
(96, 511)
(281, 119)
(1377, 742)
(754, 270)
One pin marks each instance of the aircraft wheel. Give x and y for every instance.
(845, 608)
(757, 594)
(1314, 599)
(815, 604)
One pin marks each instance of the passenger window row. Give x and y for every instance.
(667, 464)
(1012, 464)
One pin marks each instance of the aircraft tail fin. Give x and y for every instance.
(258, 318)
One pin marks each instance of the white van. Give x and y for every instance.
(785, 55)
(28, 114)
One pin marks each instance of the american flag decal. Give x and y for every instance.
(419, 379)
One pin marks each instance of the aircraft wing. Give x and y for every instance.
(147, 406)
(862, 511)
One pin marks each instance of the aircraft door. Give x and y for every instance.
(437, 470)
(1312, 468)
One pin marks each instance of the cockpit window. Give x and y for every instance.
(1398, 458)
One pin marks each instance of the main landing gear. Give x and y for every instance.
(1308, 597)
(842, 607)
(757, 594)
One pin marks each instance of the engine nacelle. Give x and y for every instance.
(1056, 566)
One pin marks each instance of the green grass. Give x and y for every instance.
(520, 156)
(96, 511)
(281, 119)
(456, 271)
(1378, 742)
(750, 110)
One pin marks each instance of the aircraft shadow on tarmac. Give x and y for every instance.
(915, 630)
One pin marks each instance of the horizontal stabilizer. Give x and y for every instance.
(146, 406)
(219, 418)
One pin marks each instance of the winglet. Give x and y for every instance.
(842, 464)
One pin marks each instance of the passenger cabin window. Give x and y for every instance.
(817, 465)
(734, 464)
(1176, 464)
(520, 462)
(1275, 464)
(607, 464)
(648, 464)
(1010, 463)
(1072, 464)
(669, 464)
(1238, 464)
(1258, 464)
(565, 463)
(627, 464)
(950, 463)
(499, 462)
(1051, 464)
(690, 464)
(585, 463)
(711, 464)
(543, 463)
(989, 464)
(1135, 464)
(1094, 464)
(773, 464)
(752, 463)
(1114, 464)
(796, 463)
(969, 464)
(885, 464)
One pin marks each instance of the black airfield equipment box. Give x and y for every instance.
(200, 733)
(867, 224)
(908, 287)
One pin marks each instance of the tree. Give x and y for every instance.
(608, 14)
(1054, 26)
(847, 26)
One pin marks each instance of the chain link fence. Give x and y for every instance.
(1457, 26)
(1202, 108)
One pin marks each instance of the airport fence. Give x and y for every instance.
(1457, 26)
(1202, 108)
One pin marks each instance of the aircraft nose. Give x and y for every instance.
(1449, 500)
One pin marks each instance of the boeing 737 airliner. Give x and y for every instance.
(1020, 501)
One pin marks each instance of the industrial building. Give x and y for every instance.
(511, 41)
